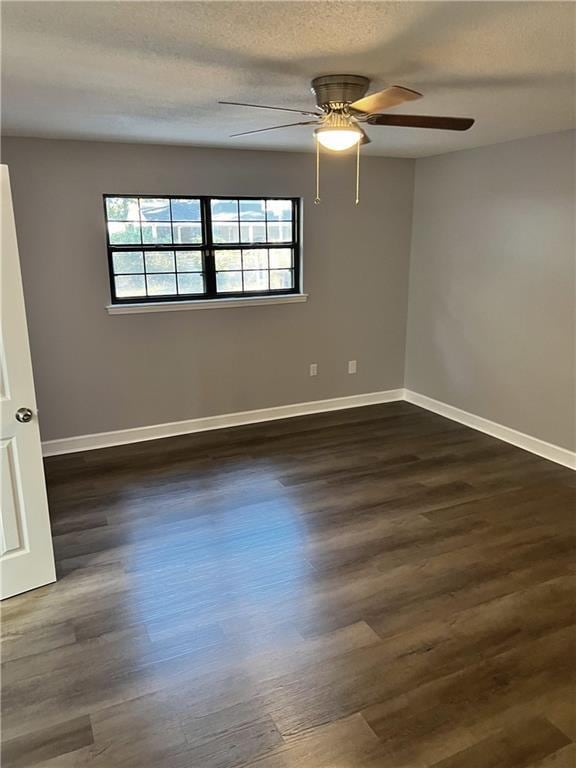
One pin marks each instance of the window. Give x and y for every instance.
(185, 248)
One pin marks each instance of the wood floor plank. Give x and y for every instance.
(430, 719)
(372, 588)
(564, 758)
(237, 744)
(561, 711)
(19, 643)
(40, 746)
(517, 747)
(349, 743)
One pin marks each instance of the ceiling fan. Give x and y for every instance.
(342, 106)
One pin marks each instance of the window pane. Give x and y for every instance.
(156, 233)
(128, 261)
(253, 232)
(280, 278)
(123, 234)
(242, 239)
(279, 232)
(161, 285)
(191, 283)
(122, 209)
(256, 258)
(228, 282)
(186, 210)
(189, 261)
(159, 261)
(227, 260)
(225, 233)
(279, 210)
(130, 285)
(155, 209)
(256, 281)
(186, 232)
(253, 210)
(225, 210)
(280, 257)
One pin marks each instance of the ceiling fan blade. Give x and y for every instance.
(264, 106)
(389, 97)
(273, 128)
(423, 121)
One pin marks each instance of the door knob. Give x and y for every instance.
(24, 415)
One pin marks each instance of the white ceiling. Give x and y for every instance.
(154, 71)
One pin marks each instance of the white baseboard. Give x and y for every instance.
(519, 439)
(140, 434)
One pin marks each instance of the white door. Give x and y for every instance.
(26, 555)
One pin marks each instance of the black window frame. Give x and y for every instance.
(207, 249)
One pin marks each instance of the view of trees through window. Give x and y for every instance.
(183, 248)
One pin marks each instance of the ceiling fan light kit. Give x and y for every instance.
(337, 139)
(338, 133)
(342, 105)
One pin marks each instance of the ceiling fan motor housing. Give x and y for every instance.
(334, 92)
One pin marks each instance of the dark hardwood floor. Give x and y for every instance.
(379, 587)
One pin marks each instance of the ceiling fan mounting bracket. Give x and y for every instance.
(335, 92)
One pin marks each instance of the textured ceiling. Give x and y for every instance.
(154, 71)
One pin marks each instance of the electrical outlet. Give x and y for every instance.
(313, 369)
(351, 366)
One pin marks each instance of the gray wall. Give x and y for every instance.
(96, 372)
(491, 308)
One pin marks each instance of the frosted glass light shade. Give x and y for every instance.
(338, 139)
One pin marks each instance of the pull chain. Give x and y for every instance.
(357, 201)
(317, 200)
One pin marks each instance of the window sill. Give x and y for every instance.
(177, 306)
